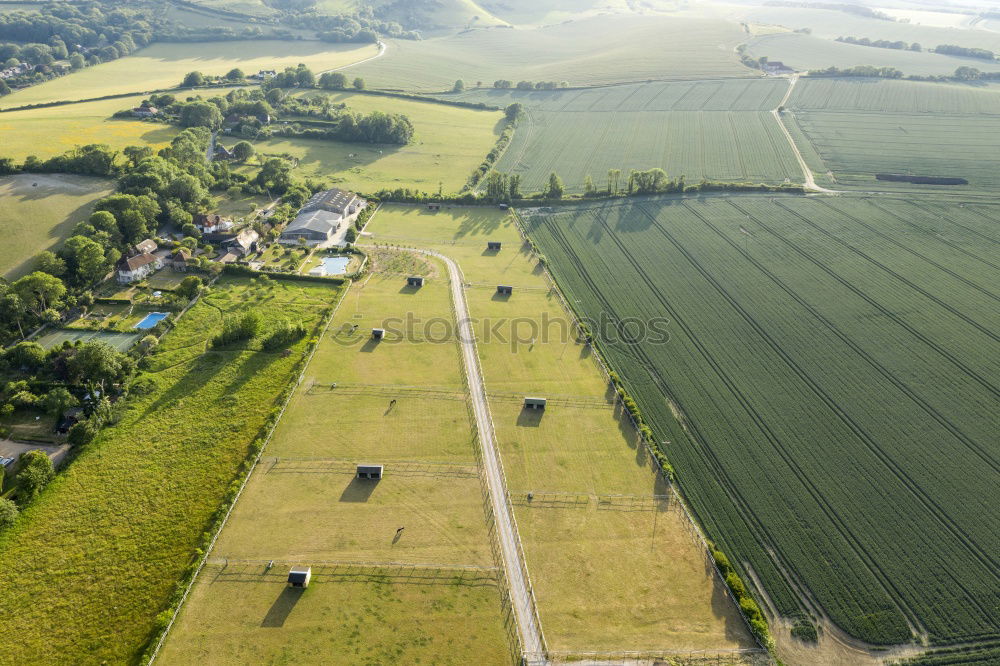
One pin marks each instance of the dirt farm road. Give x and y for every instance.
(520, 590)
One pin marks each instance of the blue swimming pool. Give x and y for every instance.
(335, 265)
(151, 320)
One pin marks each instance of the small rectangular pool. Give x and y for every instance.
(331, 266)
(151, 320)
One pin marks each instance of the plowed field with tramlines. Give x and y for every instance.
(829, 391)
(715, 130)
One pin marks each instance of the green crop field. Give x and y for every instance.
(38, 211)
(449, 143)
(164, 66)
(600, 527)
(54, 130)
(402, 403)
(861, 128)
(828, 391)
(108, 539)
(719, 130)
(802, 52)
(583, 52)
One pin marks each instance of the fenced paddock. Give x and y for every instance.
(239, 612)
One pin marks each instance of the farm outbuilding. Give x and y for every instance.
(414, 282)
(505, 290)
(534, 403)
(369, 471)
(493, 246)
(378, 333)
(299, 576)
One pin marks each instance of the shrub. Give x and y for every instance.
(81, 433)
(8, 513)
(284, 336)
(238, 328)
(804, 630)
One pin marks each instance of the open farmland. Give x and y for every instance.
(54, 130)
(862, 128)
(38, 211)
(164, 66)
(584, 52)
(803, 52)
(596, 520)
(828, 391)
(448, 144)
(112, 552)
(831, 23)
(402, 403)
(716, 130)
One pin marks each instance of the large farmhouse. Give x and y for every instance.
(322, 217)
(137, 267)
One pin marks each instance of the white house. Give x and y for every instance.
(137, 267)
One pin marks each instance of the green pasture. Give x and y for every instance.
(449, 143)
(52, 131)
(39, 211)
(579, 447)
(825, 377)
(590, 51)
(402, 405)
(114, 532)
(164, 66)
(419, 348)
(804, 52)
(239, 613)
(317, 510)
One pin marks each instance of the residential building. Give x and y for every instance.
(210, 223)
(242, 244)
(136, 267)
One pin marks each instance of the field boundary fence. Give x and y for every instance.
(253, 466)
(403, 468)
(693, 528)
(745, 656)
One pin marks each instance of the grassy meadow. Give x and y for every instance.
(573, 457)
(598, 50)
(717, 130)
(401, 403)
(39, 211)
(449, 143)
(107, 540)
(54, 130)
(860, 128)
(164, 66)
(238, 613)
(824, 391)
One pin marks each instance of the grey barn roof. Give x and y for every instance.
(335, 199)
(316, 221)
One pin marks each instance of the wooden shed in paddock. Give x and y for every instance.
(414, 282)
(299, 576)
(367, 471)
(493, 246)
(505, 290)
(378, 333)
(534, 403)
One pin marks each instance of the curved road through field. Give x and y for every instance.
(807, 174)
(522, 599)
